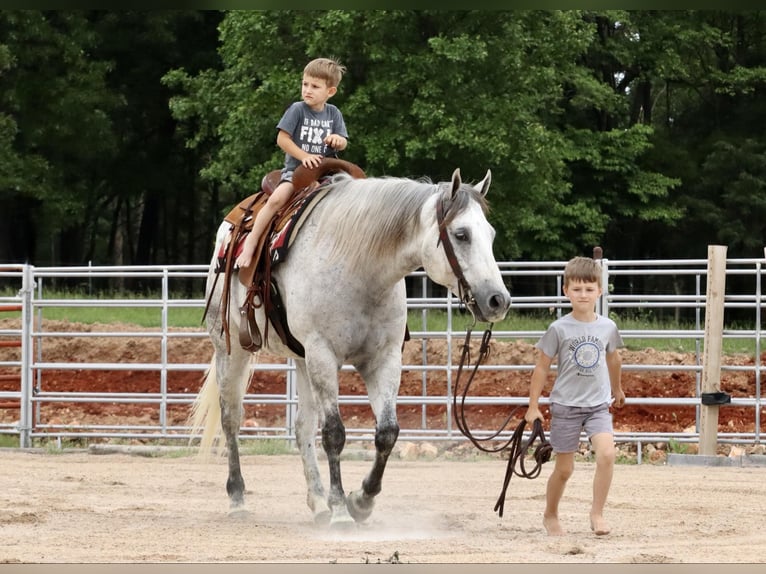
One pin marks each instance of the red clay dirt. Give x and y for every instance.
(636, 383)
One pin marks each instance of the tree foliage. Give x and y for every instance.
(530, 95)
(125, 136)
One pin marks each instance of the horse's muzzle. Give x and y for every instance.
(489, 307)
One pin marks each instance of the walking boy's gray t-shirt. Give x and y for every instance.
(581, 348)
(308, 129)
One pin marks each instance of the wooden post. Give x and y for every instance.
(713, 344)
(598, 253)
(601, 304)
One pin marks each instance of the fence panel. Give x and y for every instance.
(675, 292)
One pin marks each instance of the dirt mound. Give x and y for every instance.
(186, 347)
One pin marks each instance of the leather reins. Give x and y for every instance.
(516, 445)
(518, 448)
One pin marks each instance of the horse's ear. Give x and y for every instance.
(483, 185)
(456, 182)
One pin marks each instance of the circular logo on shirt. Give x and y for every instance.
(586, 355)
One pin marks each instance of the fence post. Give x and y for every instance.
(713, 346)
(291, 394)
(602, 307)
(27, 375)
(11, 404)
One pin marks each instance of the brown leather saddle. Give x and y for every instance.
(261, 289)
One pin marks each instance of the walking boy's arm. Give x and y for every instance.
(614, 365)
(536, 386)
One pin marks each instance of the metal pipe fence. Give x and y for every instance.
(632, 288)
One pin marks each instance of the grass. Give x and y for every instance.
(52, 445)
(529, 322)
(9, 441)
(623, 458)
(130, 311)
(677, 447)
(142, 316)
(266, 447)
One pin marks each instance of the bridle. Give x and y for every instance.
(464, 289)
(518, 448)
(466, 297)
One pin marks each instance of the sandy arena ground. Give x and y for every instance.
(81, 507)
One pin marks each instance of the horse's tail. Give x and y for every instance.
(206, 414)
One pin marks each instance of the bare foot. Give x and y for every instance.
(553, 526)
(599, 526)
(242, 261)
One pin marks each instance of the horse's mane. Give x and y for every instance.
(372, 218)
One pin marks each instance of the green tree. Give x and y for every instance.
(154, 188)
(708, 90)
(55, 105)
(126, 135)
(94, 168)
(428, 91)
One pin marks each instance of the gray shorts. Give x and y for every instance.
(568, 422)
(287, 175)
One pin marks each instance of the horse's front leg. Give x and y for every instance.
(322, 369)
(382, 381)
(333, 441)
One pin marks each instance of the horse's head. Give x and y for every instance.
(462, 258)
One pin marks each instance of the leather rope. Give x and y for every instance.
(516, 456)
(459, 409)
(227, 271)
(517, 448)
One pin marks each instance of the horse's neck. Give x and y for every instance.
(376, 226)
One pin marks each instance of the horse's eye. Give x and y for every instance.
(462, 234)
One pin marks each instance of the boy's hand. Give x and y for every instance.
(618, 399)
(532, 414)
(311, 161)
(336, 142)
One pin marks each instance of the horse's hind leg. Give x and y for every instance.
(382, 382)
(233, 372)
(307, 422)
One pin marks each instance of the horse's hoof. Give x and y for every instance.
(359, 506)
(322, 518)
(341, 519)
(238, 513)
(320, 509)
(342, 523)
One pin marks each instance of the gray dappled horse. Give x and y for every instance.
(343, 288)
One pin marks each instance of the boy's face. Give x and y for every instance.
(583, 295)
(315, 92)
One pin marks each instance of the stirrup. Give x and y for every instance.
(249, 335)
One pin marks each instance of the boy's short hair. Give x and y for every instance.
(327, 69)
(582, 269)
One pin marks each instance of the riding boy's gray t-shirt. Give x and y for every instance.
(581, 348)
(308, 129)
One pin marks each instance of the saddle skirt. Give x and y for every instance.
(281, 235)
(272, 248)
(306, 182)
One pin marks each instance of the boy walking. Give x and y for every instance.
(308, 131)
(589, 369)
